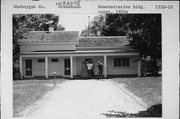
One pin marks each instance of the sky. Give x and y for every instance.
(75, 22)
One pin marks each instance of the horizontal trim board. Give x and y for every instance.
(48, 43)
(68, 55)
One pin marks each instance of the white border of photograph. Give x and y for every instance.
(170, 45)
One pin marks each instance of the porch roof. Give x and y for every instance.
(79, 52)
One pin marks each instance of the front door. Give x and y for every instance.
(28, 67)
(66, 66)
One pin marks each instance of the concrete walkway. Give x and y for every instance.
(82, 99)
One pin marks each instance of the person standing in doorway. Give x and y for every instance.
(89, 69)
(100, 69)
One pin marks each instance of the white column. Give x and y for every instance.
(20, 66)
(139, 68)
(105, 66)
(46, 67)
(71, 66)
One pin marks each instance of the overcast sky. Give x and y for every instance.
(75, 22)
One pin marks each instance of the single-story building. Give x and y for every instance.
(64, 52)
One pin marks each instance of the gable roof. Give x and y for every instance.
(50, 37)
(72, 36)
(105, 41)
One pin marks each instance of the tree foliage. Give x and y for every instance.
(95, 27)
(146, 34)
(23, 23)
(115, 25)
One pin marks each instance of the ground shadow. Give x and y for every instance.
(153, 111)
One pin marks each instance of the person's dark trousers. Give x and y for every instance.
(99, 74)
(89, 73)
(98, 77)
(92, 73)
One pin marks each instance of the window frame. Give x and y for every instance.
(41, 60)
(54, 60)
(121, 62)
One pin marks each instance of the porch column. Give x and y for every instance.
(46, 67)
(20, 67)
(71, 65)
(139, 68)
(105, 66)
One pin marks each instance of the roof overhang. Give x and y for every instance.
(81, 53)
(48, 43)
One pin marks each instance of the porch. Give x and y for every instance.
(73, 64)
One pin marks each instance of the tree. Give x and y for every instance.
(115, 25)
(95, 27)
(23, 23)
(146, 34)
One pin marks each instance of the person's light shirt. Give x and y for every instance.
(89, 66)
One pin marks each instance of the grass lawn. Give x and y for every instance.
(149, 89)
(26, 92)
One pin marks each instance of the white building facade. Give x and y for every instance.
(64, 52)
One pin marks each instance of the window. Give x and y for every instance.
(41, 60)
(121, 62)
(54, 60)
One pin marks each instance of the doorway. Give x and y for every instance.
(67, 67)
(28, 67)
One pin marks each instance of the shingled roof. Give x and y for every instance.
(50, 37)
(72, 36)
(105, 41)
